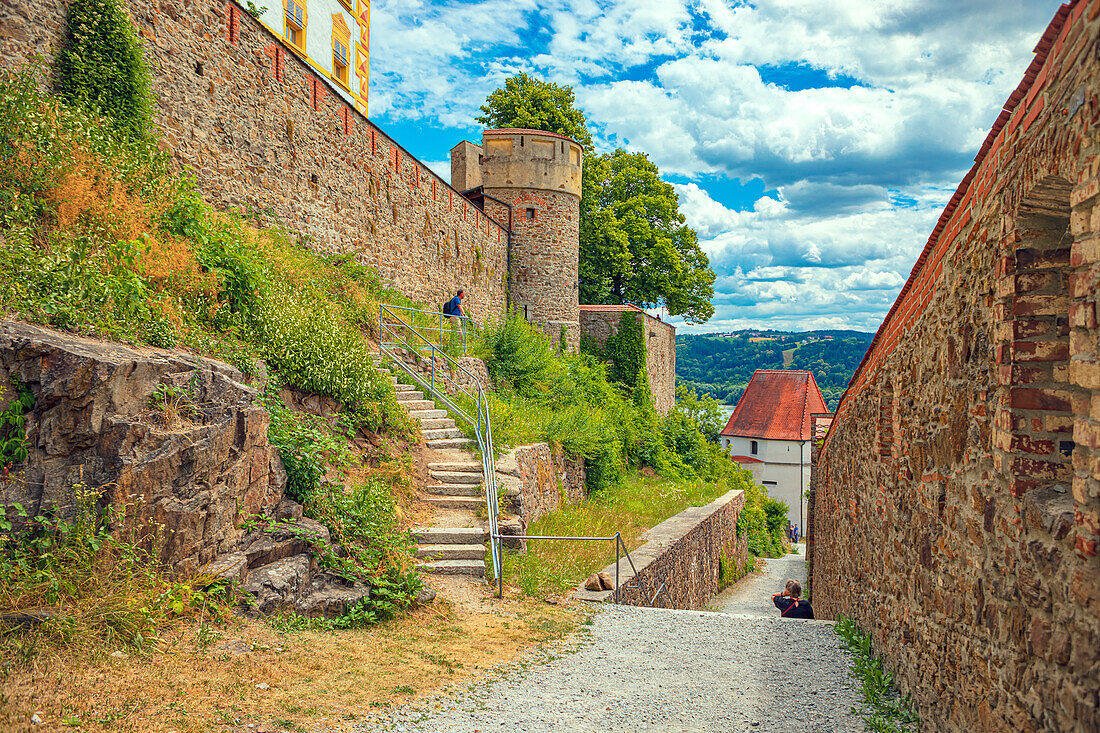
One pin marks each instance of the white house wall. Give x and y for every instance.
(319, 25)
(784, 462)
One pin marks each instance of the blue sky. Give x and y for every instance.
(812, 143)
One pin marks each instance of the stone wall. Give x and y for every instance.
(599, 322)
(533, 481)
(957, 496)
(660, 361)
(681, 558)
(545, 258)
(261, 130)
(198, 469)
(532, 184)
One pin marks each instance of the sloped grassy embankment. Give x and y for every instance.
(99, 237)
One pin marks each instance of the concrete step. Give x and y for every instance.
(455, 502)
(457, 477)
(402, 387)
(450, 535)
(455, 567)
(449, 443)
(411, 405)
(455, 489)
(437, 423)
(464, 467)
(410, 395)
(450, 552)
(440, 433)
(425, 414)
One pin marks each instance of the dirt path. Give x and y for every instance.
(643, 669)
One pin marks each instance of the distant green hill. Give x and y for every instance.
(722, 364)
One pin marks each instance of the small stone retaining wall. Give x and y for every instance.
(682, 554)
(534, 481)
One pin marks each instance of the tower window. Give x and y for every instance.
(755, 448)
(530, 213)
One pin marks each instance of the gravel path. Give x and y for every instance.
(753, 596)
(644, 669)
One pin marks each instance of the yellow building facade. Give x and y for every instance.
(333, 36)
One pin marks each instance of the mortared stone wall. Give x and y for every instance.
(957, 496)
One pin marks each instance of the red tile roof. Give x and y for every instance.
(776, 405)
(745, 459)
(612, 308)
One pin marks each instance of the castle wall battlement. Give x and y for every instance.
(262, 130)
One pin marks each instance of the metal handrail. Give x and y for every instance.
(462, 320)
(483, 430)
(619, 545)
(482, 425)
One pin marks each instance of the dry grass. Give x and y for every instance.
(206, 679)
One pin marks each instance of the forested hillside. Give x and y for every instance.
(722, 364)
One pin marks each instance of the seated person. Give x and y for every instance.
(789, 602)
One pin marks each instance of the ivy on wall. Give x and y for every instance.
(625, 350)
(102, 66)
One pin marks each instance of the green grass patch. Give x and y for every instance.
(633, 505)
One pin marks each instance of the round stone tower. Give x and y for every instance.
(531, 179)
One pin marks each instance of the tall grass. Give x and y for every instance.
(89, 581)
(99, 238)
(634, 504)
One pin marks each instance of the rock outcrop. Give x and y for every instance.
(179, 439)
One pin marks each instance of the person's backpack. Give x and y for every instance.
(446, 308)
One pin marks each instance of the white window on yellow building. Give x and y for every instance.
(341, 41)
(295, 22)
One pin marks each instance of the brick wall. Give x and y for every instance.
(681, 558)
(957, 496)
(660, 344)
(261, 129)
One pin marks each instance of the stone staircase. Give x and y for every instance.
(454, 545)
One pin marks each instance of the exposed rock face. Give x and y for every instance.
(197, 468)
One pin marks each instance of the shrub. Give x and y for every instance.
(625, 350)
(305, 340)
(102, 66)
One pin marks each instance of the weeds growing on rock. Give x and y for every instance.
(86, 575)
(884, 709)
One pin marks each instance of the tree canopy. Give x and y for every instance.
(530, 103)
(635, 245)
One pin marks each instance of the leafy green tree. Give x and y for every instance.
(635, 246)
(703, 412)
(102, 66)
(533, 104)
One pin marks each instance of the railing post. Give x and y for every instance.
(500, 568)
(618, 541)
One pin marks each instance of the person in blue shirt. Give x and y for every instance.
(790, 603)
(454, 305)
